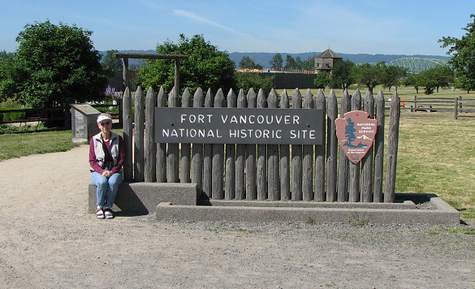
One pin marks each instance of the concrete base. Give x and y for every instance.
(439, 213)
(143, 198)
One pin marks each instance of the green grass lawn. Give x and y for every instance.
(437, 154)
(23, 144)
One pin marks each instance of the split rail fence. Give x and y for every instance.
(263, 171)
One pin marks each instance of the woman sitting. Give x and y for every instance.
(106, 157)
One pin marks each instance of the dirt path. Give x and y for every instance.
(47, 240)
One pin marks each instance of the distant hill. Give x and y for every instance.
(413, 63)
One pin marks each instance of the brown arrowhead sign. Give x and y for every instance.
(355, 132)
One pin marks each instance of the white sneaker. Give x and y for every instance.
(100, 213)
(108, 213)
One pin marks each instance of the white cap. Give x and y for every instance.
(103, 116)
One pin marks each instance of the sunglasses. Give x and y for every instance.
(106, 122)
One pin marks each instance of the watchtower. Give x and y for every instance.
(326, 60)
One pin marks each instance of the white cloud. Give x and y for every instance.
(197, 18)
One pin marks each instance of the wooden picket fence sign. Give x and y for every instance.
(263, 171)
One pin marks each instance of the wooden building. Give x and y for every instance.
(325, 61)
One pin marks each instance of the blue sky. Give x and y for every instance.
(368, 26)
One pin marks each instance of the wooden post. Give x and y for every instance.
(367, 161)
(296, 172)
(332, 111)
(185, 147)
(251, 193)
(218, 158)
(379, 150)
(125, 72)
(240, 192)
(342, 186)
(354, 185)
(161, 164)
(393, 140)
(307, 160)
(415, 103)
(460, 104)
(230, 175)
(456, 102)
(197, 148)
(177, 76)
(261, 181)
(172, 152)
(127, 134)
(284, 168)
(320, 194)
(207, 153)
(139, 119)
(273, 158)
(149, 145)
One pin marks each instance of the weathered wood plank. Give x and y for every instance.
(342, 159)
(393, 141)
(284, 161)
(149, 145)
(207, 153)
(332, 111)
(379, 150)
(185, 147)
(172, 151)
(139, 119)
(273, 188)
(230, 175)
(296, 171)
(127, 134)
(197, 149)
(354, 185)
(307, 160)
(217, 169)
(367, 161)
(251, 192)
(161, 165)
(261, 180)
(240, 191)
(320, 103)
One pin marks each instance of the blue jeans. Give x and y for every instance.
(106, 188)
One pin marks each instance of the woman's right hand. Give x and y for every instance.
(106, 173)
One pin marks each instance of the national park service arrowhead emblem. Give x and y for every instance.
(355, 133)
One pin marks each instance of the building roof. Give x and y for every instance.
(328, 54)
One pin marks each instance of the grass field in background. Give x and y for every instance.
(23, 144)
(436, 152)
(405, 93)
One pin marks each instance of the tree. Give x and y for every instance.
(443, 75)
(8, 75)
(61, 66)
(367, 74)
(247, 63)
(341, 76)
(246, 80)
(277, 62)
(322, 80)
(204, 66)
(290, 63)
(390, 75)
(413, 80)
(463, 56)
(111, 64)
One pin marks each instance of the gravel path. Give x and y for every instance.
(47, 240)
